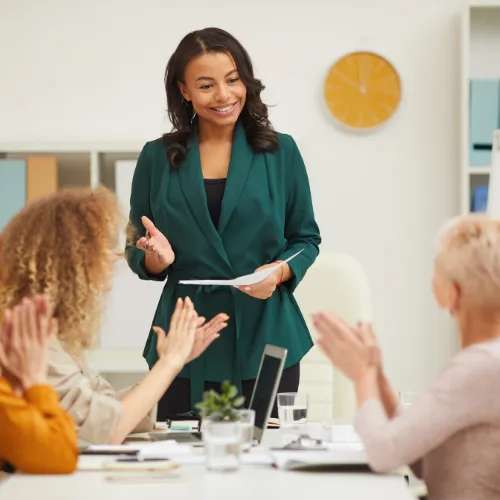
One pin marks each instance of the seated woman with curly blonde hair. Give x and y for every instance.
(451, 434)
(64, 246)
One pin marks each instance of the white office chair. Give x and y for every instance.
(338, 283)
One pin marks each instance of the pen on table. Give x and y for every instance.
(140, 458)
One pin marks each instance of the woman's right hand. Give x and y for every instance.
(159, 253)
(24, 343)
(177, 345)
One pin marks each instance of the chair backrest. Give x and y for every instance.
(338, 283)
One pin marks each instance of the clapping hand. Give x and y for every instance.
(353, 350)
(24, 339)
(188, 335)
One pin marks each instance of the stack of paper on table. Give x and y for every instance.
(341, 459)
(161, 453)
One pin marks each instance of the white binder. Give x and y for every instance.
(494, 184)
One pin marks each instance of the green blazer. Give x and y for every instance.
(266, 215)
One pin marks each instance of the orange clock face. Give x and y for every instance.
(362, 90)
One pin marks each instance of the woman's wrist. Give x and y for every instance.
(171, 362)
(29, 382)
(367, 384)
(153, 267)
(283, 273)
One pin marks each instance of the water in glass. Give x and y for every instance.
(292, 409)
(222, 445)
(247, 420)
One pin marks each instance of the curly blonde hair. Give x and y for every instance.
(468, 253)
(60, 245)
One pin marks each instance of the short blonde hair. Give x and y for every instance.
(60, 245)
(468, 253)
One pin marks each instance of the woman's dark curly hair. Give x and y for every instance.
(254, 116)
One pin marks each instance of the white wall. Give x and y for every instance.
(93, 70)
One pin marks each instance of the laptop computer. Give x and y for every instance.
(262, 400)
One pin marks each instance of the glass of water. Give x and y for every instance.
(292, 409)
(247, 421)
(222, 442)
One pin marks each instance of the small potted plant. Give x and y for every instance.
(221, 406)
(221, 427)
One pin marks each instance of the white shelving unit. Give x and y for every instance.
(85, 164)
(480, 55)
(91, 165)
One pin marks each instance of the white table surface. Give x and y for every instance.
(194, 482)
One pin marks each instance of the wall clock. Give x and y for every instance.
(362, 90)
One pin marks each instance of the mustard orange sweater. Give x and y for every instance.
(36, 435)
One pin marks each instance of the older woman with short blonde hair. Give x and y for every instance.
(451, 434)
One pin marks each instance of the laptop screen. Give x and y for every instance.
(264, 389)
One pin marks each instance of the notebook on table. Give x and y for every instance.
(322, 461)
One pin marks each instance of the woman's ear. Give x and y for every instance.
(454, 294)
(184, 91)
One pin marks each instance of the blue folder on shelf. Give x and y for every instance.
(480, 199)
(12, 188)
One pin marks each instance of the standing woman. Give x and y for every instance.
(220, 196)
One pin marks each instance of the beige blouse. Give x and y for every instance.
(90, 400)
(450, 435)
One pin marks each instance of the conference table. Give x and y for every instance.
(188, 482)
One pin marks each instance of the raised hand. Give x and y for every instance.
(351, 350)
(24, 342)
(159, 253)
(177, 345)
(206, 333)
(188, 338)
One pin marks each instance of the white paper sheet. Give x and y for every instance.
(249, 279)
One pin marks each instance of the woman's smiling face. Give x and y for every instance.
(212, 84)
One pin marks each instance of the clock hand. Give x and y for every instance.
(350, 82)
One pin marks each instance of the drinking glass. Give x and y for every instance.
(222, 442)
(247, 420)
(292, 409)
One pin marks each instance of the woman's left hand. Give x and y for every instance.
(354, 351)
(266, 288)
(206, 333)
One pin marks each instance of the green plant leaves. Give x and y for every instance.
(221, 405)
